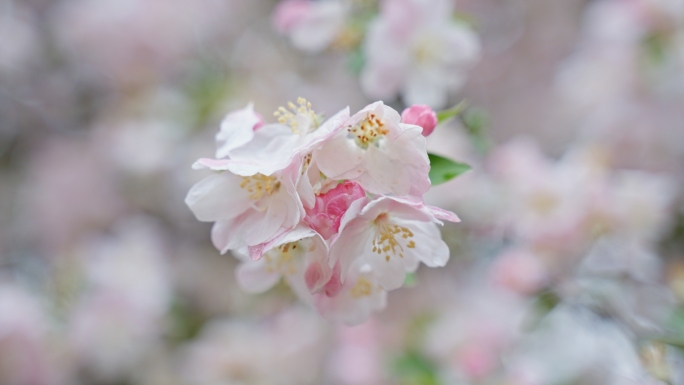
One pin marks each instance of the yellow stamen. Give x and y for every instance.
(284, 258)
(290, 118)
(388, 237)
(368, 130)
(260, 185)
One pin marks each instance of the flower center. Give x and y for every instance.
(368, 130)
(259, 185)
(284, 258)
(426, 50)
(389, 238)
(301, 118)
(362, 288)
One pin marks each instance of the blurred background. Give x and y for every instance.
(568, 266)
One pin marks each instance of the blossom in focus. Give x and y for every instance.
(274, 147)
(379, 152)
(302, 199)
(237, 129)
(299, 256)
(415, 48)
(422, 116)
(311, 25)
(392, 237)
(247, 210)
(354, 300)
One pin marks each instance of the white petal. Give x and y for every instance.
(237, 129)
(217, 197)
(272, 149)
(229, 235)
(430, 248)
(353, 241)
(339, 157)
(254, 278)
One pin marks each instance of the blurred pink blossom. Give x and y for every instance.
(311, 25)
(415, 48)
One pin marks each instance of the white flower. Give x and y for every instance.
(299, 256)
(237, 129)
(273, 147)
(392, 236)
(416, 48)
(359, 296)
(383, 155)
(248, 210)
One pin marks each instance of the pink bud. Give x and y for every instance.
(326, 215)
(420, 115)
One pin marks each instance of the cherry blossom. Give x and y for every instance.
(299, 256)
(354, 300)
(237, 129)
(247, 210)
(379, 152)
(302, 200)
(273, 147)
(392, 237)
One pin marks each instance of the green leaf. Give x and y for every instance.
(443, 169)
(445, 115)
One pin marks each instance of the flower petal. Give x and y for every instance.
(217, 197)
(253, 277)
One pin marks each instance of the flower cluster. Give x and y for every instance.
(334, 207)
(415, 48)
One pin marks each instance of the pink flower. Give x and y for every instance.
(420, 115)
(326, 215)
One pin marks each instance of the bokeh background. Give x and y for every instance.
(568, 266)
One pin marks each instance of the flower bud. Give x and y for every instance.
(326, 215)
(420, 115)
